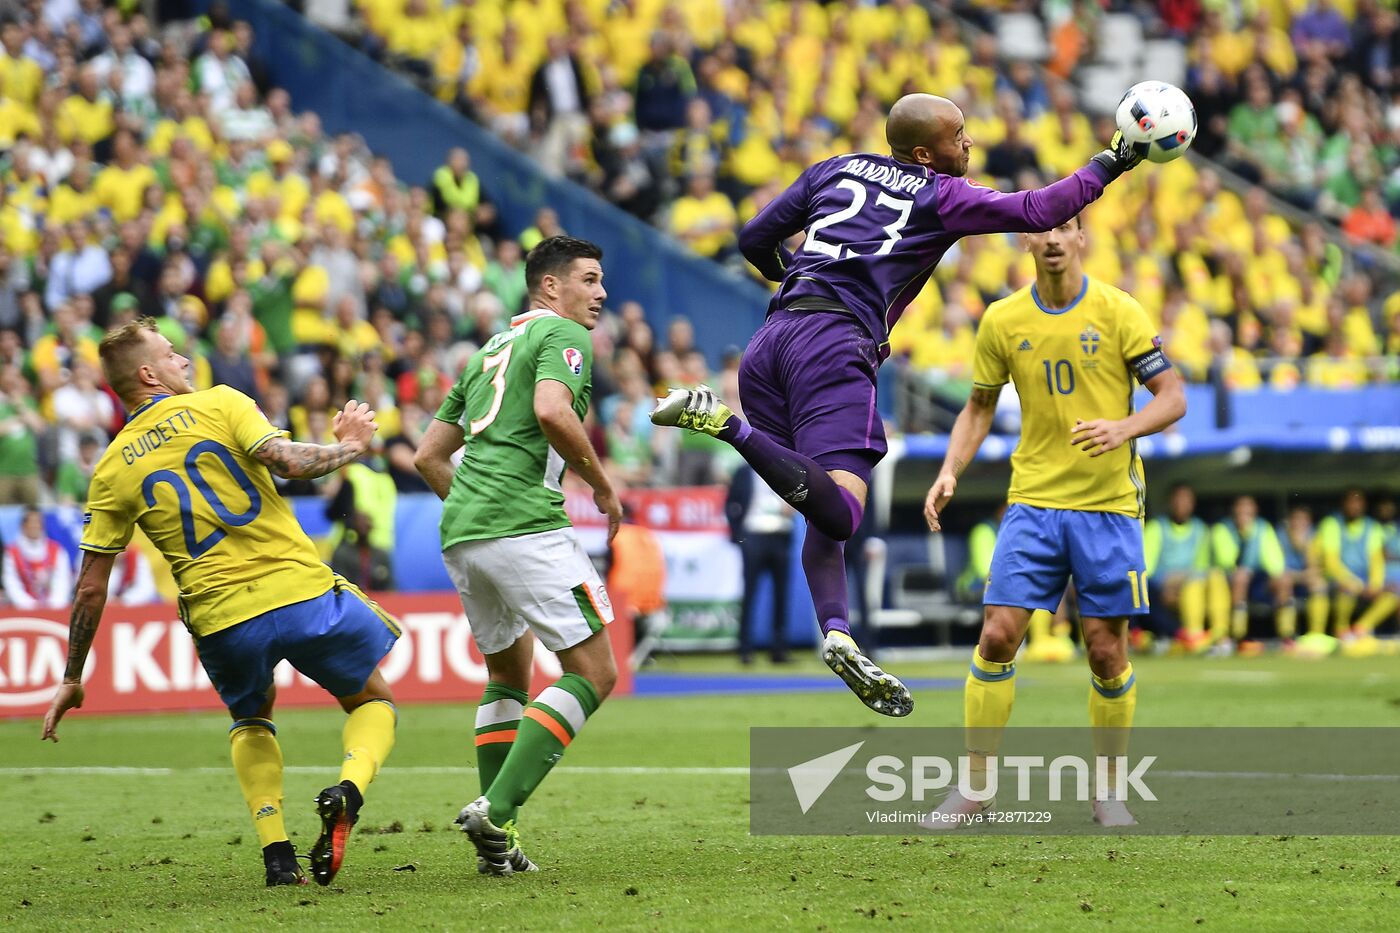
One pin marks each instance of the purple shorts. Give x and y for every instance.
(808, 381)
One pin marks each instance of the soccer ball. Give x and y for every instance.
(1158, 120)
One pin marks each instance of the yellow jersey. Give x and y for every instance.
(183, 470)
(1075, 364)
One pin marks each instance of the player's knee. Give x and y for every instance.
(1001, 635)
(1107, 655)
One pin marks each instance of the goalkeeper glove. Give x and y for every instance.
(1119, 156)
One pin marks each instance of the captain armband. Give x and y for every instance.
(1151, 363)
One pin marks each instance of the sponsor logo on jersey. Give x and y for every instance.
(1025, 345)
(574, 360)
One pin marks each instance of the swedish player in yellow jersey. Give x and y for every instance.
(193, 469)
(1073, 348)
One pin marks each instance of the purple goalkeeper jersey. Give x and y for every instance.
(877, 227)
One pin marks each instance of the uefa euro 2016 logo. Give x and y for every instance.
(1089, 340)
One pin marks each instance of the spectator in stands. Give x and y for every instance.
(121, 186)
(761, 524)
(546, 225)
(1303, 566)
(20, 428)
(1254, 125)
(361, 500)
(1351, 545)
(131, 582)
(559, 101)
(1013, 155)
(629, 180)
(230, 363)
(1178, 562)
(87, 115)
(665, 85)
(1321, 24)
(135, 81)
(80, 407)
(80, 268)
(218, 72)
(246, 120)
(1390, 541)
(1246, 549)
(704, 219)
(1370, 221)
(37, 571)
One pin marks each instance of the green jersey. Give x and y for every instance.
(508, 482)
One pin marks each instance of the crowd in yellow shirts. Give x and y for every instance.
(763, 89)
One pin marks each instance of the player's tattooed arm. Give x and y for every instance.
(354, 428)
(89, 599)
(295, 460)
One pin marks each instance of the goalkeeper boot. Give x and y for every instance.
(496, 846)
(880, 691)
(697, 409)
(339, 811)
(280, 860)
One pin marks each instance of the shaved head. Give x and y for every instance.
(924, 129)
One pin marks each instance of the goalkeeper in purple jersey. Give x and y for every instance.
(876, 226)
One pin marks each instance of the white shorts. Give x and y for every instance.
(542, 582)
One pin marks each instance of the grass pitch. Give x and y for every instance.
(630, 839)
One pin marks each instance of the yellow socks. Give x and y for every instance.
(1343, 608)
(1380, 609)
(1112, 702)
(1192, 602)
(1317, 614)
(368, 738)
(257, 760)
(1286, 619)
(987, 700)
(1218, 605)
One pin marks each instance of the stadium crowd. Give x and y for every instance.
(155, 172)
(693, 115)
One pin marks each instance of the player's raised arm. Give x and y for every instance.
(969, 431)
(761, 239)
(554, 409)
(353, 427)
(968, 208)
(89, 599)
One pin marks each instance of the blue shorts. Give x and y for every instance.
(336, 639)
(1039, 550)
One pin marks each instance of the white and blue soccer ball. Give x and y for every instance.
(1158, 120)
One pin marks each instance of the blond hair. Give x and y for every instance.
(123, 351)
